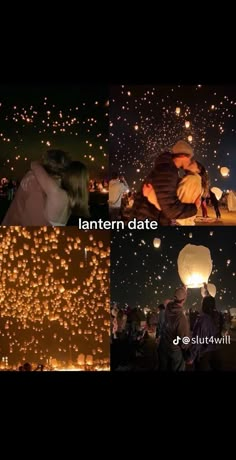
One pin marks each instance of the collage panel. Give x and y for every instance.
(54, 154)
(173, 300)
(172, 154)
(54, 277)
(54, 299)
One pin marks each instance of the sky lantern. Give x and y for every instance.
(81, 359)
(177, 110)
(211, 290)
(218, 192)
(194, 265)
(190, 138)
(224, 171)
(89, 360)
(187, 124)
(156, 243)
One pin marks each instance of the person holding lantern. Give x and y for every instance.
(215, 204)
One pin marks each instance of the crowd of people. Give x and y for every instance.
(157, 341)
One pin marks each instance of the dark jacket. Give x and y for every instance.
(205, 327)
(146, 354)
(176, 325)
(164, 179)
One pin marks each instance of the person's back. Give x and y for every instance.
(175, 328)
(39, 199)
(142, 208)
(176, 324)
(215, 204)
(213, 199)
(57, 209)
(27, 207)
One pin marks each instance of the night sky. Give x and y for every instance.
(144, 122)
(34, 119)
(53, 294)
(145, 276)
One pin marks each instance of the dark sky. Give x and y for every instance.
(52, 295)
(36, 118)
(143, 122)
(145, 276)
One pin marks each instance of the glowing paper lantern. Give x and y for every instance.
(224, 171)
(89, 360)
(187, 124)
(194, 265)
(177, 110)
(81, 359)
(211, 289)
(190, 138)
(218, 192)
(156, 242)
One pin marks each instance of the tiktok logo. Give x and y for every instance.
(177, 340)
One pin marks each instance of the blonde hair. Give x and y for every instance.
(75, 180)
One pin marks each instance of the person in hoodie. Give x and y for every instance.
(164, 179)
(117, 187)
(207, 330)
(176, 327)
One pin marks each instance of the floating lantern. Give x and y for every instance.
(218, 192)
(156, 243)
(211, 290)
(194, 265)
(224, 171)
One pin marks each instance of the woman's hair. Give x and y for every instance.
(75, 181)
(55, 162)
(208, 305)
